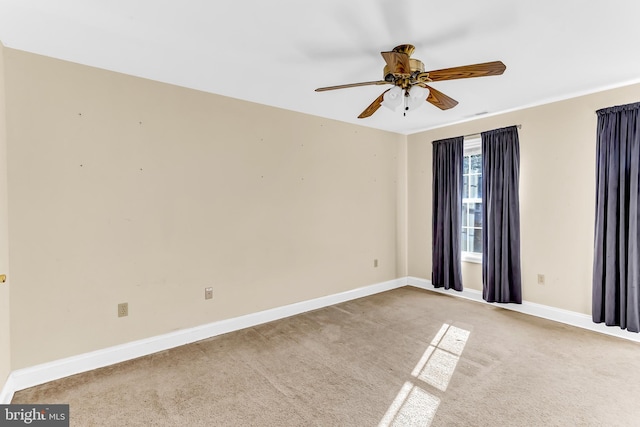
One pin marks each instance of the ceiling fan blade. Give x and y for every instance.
(494, 68)
(397, 62)
(377, 82)
(373, 107)
(439, 99)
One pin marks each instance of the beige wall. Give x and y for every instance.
(401, 215)
(5, 355)
(124, 189)
(557, 196)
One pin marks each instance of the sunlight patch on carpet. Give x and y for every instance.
(414, 405)
(437, 364)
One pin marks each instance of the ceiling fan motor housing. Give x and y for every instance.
(416, 67)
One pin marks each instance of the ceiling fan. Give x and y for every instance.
(409, 81)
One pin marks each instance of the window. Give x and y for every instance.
(472, 200)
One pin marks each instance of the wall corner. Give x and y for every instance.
(5, 333)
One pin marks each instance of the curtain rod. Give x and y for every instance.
(478, 134)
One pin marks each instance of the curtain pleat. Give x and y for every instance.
(501, 271)
(447, 213)
(616, 265)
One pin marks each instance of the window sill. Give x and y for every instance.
(472, 257)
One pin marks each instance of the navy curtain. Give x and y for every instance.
(448, 155)
(616, 266)
(501, 275)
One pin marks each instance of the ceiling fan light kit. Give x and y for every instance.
(409, 80)
(392, 98)
(409, 99)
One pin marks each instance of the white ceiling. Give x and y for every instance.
(277, 52)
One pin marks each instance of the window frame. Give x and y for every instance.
(472, 145)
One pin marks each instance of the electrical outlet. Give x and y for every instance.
(375, 262)
(540, 279)
(208, 293)
(123, 309)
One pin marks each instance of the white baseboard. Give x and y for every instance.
(6, 394)
(556, 314)
(40, 374)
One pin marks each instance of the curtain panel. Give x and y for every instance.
(501, 275)
(447, 213)
(616, 266)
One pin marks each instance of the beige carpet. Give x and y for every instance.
(385, 359)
